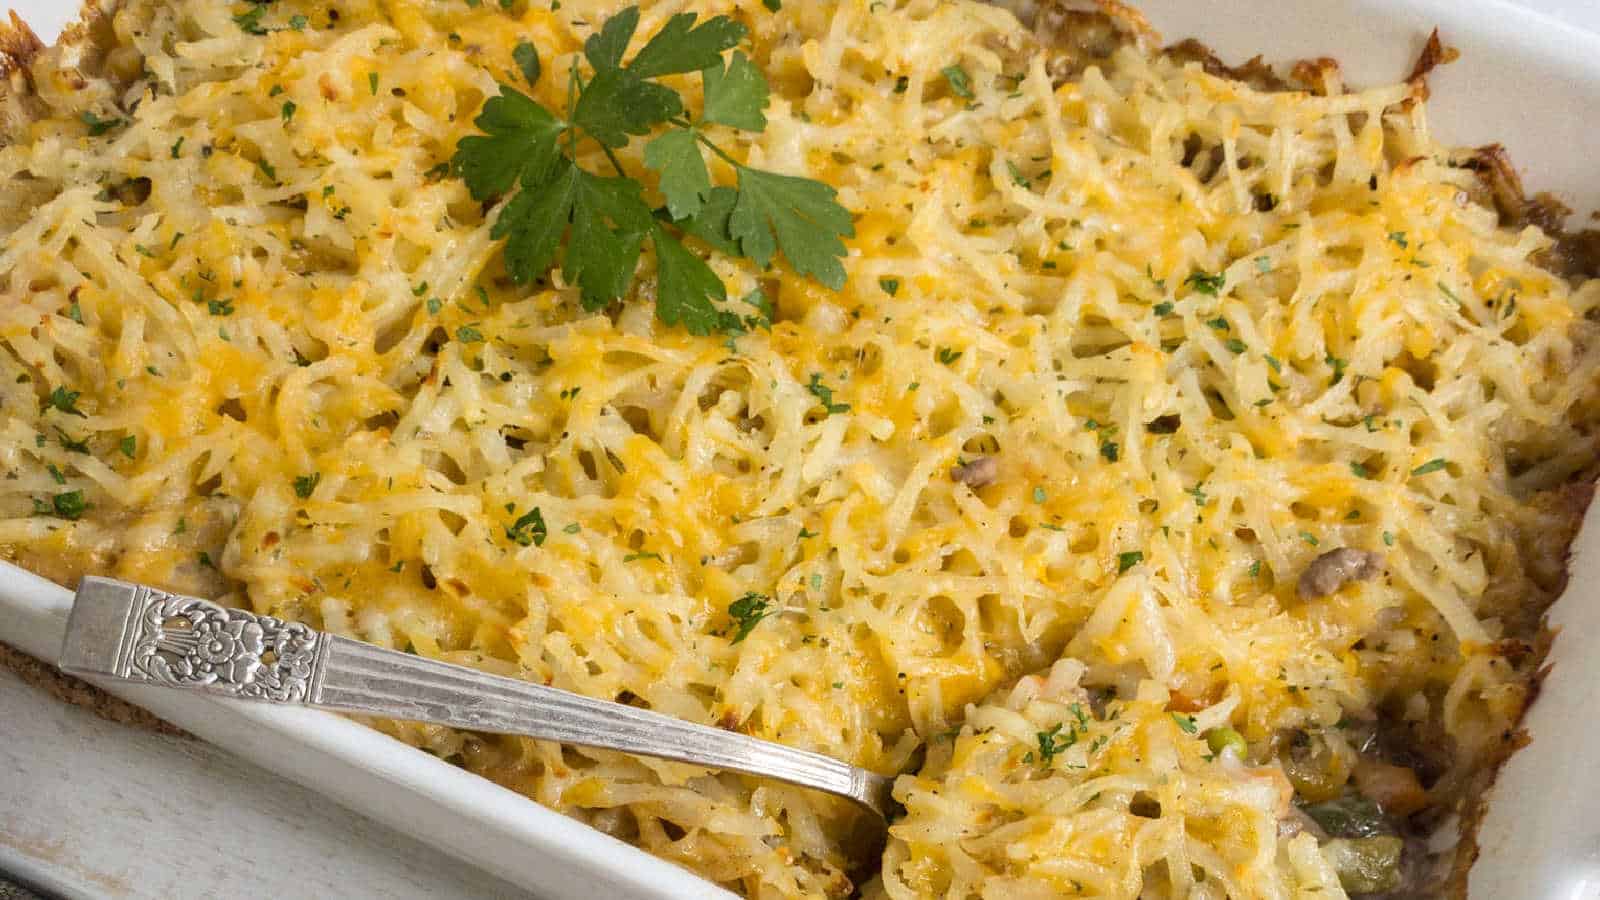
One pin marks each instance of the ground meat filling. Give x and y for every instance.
(977, 473)
(1336, 568)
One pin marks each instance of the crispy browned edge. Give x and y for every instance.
(76, 692)
(1577, 253)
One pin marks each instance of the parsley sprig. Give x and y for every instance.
(598, 224)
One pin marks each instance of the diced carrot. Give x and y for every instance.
(1395, 788)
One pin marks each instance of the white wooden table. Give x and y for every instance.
(93, 809)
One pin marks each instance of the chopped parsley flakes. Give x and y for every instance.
(747, 612)
(529, 528)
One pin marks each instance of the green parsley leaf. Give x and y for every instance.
(681, 46)
(1128, 560)
(466, 334)
(604, 222)
(287, 112)
(825, 394)
(64, 400)
(748, 611)
(605, 47)
(1360, 471)
(687, 291)
(608, 218)
(891, 286)
(764, 308)
(1399, 238)
(735, 96)
(1110, 450)
(128, 445)
(519, 142)
(1388, 539)
(798, 216)
(711, 224)
(298, 22)
(1432, 465)
(684, 179)
(304, 485)
(526, 56)
(1185, 723)
(947, 355)
(529, 528)
(97, 125)
(1206, 283)
(250, 22)
(772, 5)
(960, 82)
(609, 222)
(619, 103)
(1162, 309)
(69, 505)
(1053, 742)
(70, 445)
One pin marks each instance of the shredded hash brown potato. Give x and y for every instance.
(1128, 347)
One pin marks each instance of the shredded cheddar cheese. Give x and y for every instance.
(1124, 350)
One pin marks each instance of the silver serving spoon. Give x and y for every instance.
(135, 633)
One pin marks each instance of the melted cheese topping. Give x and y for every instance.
(1206, 334)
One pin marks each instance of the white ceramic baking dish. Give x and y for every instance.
(1524, 80)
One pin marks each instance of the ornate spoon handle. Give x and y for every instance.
(136, 633)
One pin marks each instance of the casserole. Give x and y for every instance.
(1112, 457)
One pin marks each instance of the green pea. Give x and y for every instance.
(1223, 737)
